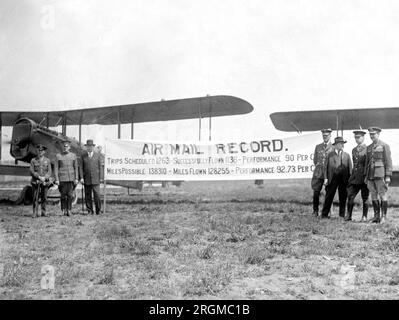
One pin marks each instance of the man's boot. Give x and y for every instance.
(376, 207)
(348, 216)
(316, 196)
(365, 211)
(384, 209)
(62, 206)
(342, 208)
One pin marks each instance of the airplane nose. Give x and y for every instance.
(17, 142)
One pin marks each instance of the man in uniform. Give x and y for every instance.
(356, 181)
(319, 159)
(378, 173)
(66, 176)
(40, 170)
(337, 171)
(91, 174)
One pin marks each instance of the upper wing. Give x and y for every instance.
(141, 112)
(345, 119)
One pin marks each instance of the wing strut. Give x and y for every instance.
(64, 124)
(41, 121)
(119, 123)
(80, 127)
(132, 126)
(337, 124)
(58, 122)
(210, 118)
(199, 120)
(48, 120)
(1, 133)
(295, 127)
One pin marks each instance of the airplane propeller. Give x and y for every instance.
(6, 142)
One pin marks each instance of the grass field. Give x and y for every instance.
(219, 240)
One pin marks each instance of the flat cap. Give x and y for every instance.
(326, 131)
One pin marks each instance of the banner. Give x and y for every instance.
(279, 158)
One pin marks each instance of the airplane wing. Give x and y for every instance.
(141, 112)
(14, 170)
(345, 119)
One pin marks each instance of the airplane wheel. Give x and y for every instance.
(140, 185)
(26, 196)
(28, 199)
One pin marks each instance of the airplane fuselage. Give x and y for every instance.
(26, 134)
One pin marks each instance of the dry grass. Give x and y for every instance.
(203, 240)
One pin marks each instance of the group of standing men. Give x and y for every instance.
(68, 171)
(369, 173)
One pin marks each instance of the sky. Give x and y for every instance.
(278, 55)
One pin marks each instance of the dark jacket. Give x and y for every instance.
(319, 159)
(66, 167)
(359, 164)
(334, 165)
(378, 161)
(40, 168)
(91, 169)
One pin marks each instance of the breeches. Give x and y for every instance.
(377, 187)
(317, 184)
(354, 189)
(41, 196)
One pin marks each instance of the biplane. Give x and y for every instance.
(32, 127)
(339, 120)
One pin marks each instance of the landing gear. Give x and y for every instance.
(26, 196)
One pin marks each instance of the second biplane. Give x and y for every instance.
(339, 120)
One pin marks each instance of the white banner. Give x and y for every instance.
(279, 158)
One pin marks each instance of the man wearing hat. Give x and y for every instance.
(66, 176)
(378, 173)
(40, 170)
(356, 180)
(91, 174)
(319, 160)
(336, 175)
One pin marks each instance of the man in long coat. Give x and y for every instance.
(337, 172)
(91, 175)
